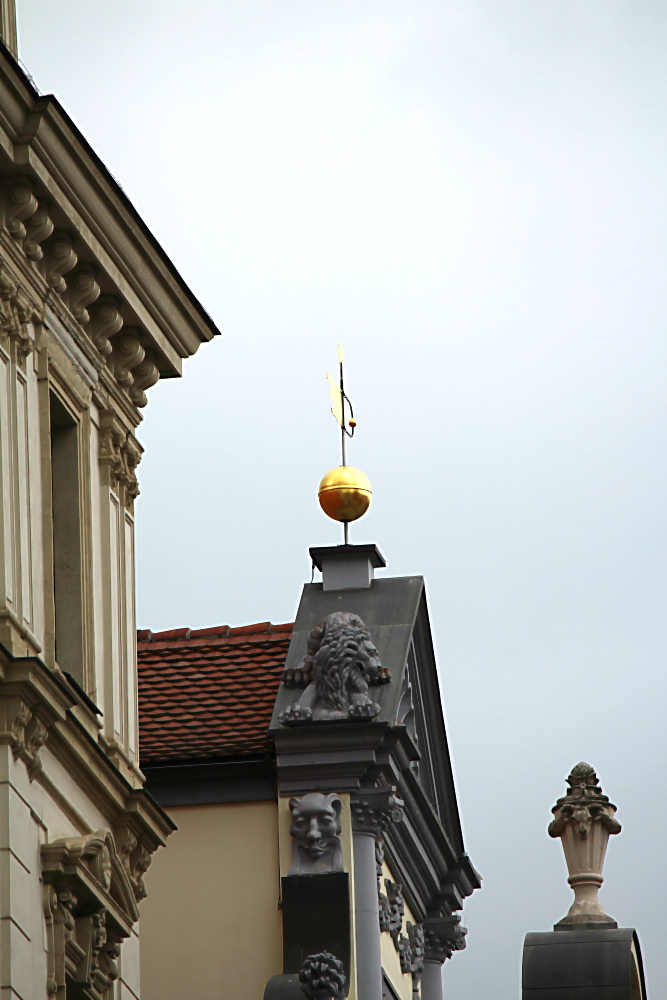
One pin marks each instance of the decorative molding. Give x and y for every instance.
(89, 907)
(584, 821)
(23, 731)
(50, 257)
(16, 312)
(373, 809)
(315, 832)
(417, 951)
(322, 977)
(121, 453)
(340, 663)
(136, 860)
(395, 911)
(383, 902)
(404, 953)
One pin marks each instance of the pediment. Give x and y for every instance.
(94, 872)
(395, 612)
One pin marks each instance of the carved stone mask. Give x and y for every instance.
(315, 833)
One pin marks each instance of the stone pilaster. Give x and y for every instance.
(372, 811)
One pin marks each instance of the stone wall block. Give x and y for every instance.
(129, 965)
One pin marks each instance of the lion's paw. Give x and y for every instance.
(365, 710)
(294, 713)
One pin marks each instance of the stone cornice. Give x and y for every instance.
(64, 202)
(38, 712)
(48, 145)
(356, 758)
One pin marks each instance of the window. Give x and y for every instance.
(66, 540)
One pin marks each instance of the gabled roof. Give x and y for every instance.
(405, 746)
(208, 693)
(395, 611)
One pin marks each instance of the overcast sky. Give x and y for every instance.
(472, 197)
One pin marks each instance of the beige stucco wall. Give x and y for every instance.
(210, 926)
(391, 963)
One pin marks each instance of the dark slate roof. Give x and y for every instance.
(208, 693)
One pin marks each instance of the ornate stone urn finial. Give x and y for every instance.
(584, 819)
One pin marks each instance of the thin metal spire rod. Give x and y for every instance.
(342, 405)
(342, 445)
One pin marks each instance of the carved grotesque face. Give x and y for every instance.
(315, 822)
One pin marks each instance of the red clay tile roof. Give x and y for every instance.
(208, 692)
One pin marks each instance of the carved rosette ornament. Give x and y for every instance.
(340, 664)
(373, 809)
(584, 820)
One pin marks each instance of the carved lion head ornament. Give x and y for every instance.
(341, 662)
(315, 832)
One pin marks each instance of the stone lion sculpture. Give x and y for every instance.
(341, 662)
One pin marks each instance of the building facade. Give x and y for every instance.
(92, 314)
(308, 772)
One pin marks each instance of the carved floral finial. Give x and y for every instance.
(322, 977)
(584, 820)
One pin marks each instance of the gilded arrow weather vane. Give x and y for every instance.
(339, 399)
(345, 492)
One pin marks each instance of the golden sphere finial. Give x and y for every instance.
(345, 493)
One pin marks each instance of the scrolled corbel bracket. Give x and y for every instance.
(38, 228)
(62, 258)
(24, 732)
(17, 311)
(107, 322)
(145, 375)
(84, 290)
(121, 453)
(136, 859)
(128, 354)
(20, 204)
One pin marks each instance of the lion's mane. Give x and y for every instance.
(337, 668)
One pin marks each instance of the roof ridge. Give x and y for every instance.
(218, 631)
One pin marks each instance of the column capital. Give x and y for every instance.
(442, 937)
(373, 809)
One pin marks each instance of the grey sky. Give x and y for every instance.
(472, 198)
